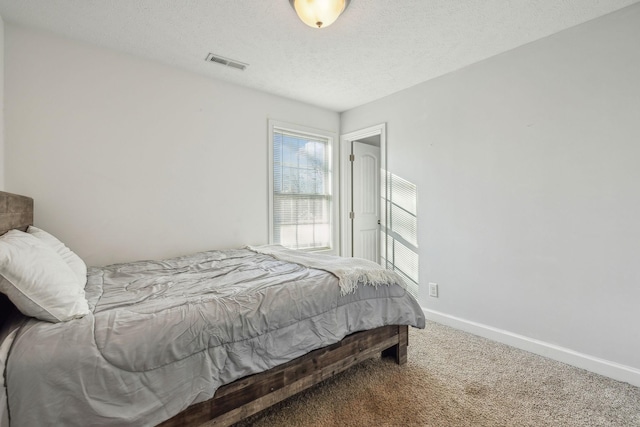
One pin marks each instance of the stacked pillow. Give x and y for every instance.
(41, 276)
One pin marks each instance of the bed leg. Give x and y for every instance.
(399, 351)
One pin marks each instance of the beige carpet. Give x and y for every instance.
(458, 379)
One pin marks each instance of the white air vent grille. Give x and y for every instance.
(226, 61)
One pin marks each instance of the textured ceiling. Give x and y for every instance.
(376, 48)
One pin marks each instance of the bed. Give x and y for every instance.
(212, 337)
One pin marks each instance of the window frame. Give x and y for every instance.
(334, 170)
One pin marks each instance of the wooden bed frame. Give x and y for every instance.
(250, 395)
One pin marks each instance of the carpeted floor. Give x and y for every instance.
(457, 379)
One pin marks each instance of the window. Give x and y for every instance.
(301, 187)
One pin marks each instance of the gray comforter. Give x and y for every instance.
(166, 334)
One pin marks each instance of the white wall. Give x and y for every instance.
(1, 104)
(528, 171)
(129, 159)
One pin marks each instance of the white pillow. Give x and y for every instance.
(74, 261)
(38, 281)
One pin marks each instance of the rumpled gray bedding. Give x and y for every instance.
(166, 334)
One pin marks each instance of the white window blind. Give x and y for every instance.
(302, 197)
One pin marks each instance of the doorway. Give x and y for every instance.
(362, 207)
(365, 198)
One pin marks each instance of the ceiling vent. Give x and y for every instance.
(226, 61)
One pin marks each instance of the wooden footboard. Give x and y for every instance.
(247, 396)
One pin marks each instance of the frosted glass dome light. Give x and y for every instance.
(319, 13)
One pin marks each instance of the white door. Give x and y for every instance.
(366, 201)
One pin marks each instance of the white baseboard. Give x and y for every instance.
(584, 361)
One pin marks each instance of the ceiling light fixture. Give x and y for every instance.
(319, 13)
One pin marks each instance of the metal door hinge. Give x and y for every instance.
(352, 157)
(351, 215)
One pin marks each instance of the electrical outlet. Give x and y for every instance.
(433, 290)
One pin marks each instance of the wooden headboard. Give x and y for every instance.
(16, 212)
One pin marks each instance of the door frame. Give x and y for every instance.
(346, 181)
